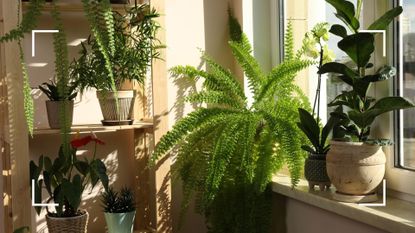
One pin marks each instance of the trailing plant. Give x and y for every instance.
(52, 92)
(67, 176)
(114, 202)
(228, 151)
(135, 48)
(359, 109)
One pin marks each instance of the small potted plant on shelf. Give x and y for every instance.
(314, 45)
(355, 162)
(55, 102)
(65, 179)
(119, 210)
(134, 49)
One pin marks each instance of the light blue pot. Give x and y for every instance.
(120, 222)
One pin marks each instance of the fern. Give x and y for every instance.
(29, 21)
(228, 152)
(27, 96)
(289, 42)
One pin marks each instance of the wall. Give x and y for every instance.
(304, 218)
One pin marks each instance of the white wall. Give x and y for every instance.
(304, 218)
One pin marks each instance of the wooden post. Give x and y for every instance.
(14, 145)
(160, 180)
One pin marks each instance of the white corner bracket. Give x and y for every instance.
(384, 38)
(383, 204)
(39, 204)
(34, 35)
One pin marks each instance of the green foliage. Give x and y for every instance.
(65, 178)
(29, 22)
(22, 230)
(362, 109)
(52, 92)
(114, 202)
(27, 90)
(135, 46)
(229, 151)
(317, 136)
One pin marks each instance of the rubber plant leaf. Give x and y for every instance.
(338, 30)
(359, 47)
(383, 22)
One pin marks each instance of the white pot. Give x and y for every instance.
(355, 168)
(120, 222)
(107, 101)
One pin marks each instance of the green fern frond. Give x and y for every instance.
(235, 30)
(250, 66)
(289, 42)
(29, 22)
(27, 96)
(214, 97)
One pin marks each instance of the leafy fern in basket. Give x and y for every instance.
(229, 150)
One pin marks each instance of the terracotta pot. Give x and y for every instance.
(315, 171)
(107, 101)
(76, 224)
(355, 168)
(52, 108)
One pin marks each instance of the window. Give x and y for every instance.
(405, 85)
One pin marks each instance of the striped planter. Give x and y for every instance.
(107, 101)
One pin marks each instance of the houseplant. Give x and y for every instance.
(65, 178)
(315, 165)
(229, 151)
(356, 163)
(134, 48)
(55, 102)
(119, 210)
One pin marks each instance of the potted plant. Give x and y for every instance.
(228, 150)
(119, 210)
(55, 102)
(315, 165)
(65, 178)
(355, 162)
(134, 49)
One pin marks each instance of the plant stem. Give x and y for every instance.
(359, 9)
(318, 91)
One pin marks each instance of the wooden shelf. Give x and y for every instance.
(74, 7)
(96, 128)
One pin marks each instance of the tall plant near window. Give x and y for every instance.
(229, 151)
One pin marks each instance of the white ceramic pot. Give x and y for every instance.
(107, 101)
(53, 110)
(355, 168)
(120, 222)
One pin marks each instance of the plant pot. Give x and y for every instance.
(355, 169)
(107, 101)
(76, 224)
(53, 110)
(120, 222)
(315, 172)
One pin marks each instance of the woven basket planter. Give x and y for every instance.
(315, 171)
(108, 104)
(76, 224)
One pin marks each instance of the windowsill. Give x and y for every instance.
(397, 216)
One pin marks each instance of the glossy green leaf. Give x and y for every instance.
(338, 30)
(383, 22)
(359, 47)
(309, 126)
(346, 13)
(100, 170)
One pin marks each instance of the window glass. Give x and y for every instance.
(406, 83)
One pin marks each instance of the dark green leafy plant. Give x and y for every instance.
(229, 151)
(135, 47)
(361, 108)
(66, 177)
(52, 92)
(114, 202)
(316, 135)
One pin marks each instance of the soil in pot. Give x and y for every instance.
(77, 224)
(356, 170)
(53, 110)
(120, 222)
(316, 173)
